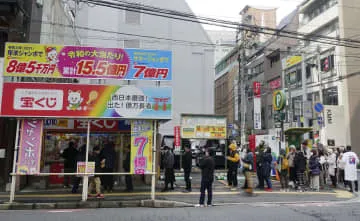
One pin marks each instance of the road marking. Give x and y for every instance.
(343, 194)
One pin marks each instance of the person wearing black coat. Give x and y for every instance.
(187, 165)
(207, 166)
(108, 155)
(69, 156)
(267, 162)
(300, 162)
(80, 157)
(126, 166)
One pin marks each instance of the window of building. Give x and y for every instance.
(330, 96)
(327, 63)
(132, 17)
(274, 59)
(317, 8)
(132, 43)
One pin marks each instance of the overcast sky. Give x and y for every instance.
(229, 9)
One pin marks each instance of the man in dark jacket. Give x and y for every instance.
(187, 165)
(207, 166)
(126, 166)
(300, 162)
(69, 156)
(169, 168)
(95, 180)
(80, 157)
(108, 155)
(259, 164)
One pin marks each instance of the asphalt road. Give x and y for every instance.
(327, 211)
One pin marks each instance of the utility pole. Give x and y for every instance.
(304, 88)
(321, 129)
(242, 64)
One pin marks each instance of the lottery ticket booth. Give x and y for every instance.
(49, 115)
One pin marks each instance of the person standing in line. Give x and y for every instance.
(69, 156)
(95, 180)
(341, 165)
(267, 162)
(126, 166)
(169, 169)
(207, 166)
(332, 167)
(323, 169)
(234, 161)
(187, 165)
(300, 166)
(291, 159)
(351, 161)
(314, 166)
(259, 165)
(283, 167)
(248, 168)
(108, 163)
(80, 157)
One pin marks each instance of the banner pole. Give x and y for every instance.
(13, 176)
(153, 178)
(86, 177)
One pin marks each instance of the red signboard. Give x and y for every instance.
(252, 146)
(97, 125)
(177, 139)
(256, 89)
(275, 84)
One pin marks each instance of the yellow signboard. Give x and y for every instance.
(293, 60)
(141, 146)
(203, 127)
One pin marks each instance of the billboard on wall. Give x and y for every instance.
(335, 119)
(203, 126)
(57, 61)
(86, 101)
(69, 125)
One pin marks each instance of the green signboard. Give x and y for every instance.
(279, 100)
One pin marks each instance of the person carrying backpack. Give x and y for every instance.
(282, 168)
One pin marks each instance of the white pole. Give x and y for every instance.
(13, 177)
(153, 178)
(86, 177)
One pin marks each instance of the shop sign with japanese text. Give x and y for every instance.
(257, 89)
(86, 101)
(57, 61)
(81, 125)
(177, 136)
(275, 84)
(203, 127)
(30, 147)
(141, 146)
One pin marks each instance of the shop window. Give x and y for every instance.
(330, 96)
(132, 17)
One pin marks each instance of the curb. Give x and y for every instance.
(95, 205)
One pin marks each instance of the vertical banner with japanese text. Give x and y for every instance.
(177, 138)
(257, 105)
(141, 146)
(29, 155)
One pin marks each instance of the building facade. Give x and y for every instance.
(224, 42)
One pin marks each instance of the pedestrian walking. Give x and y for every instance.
(207, 166)
(259, 165)
(187, 166)
(283, 168)
(169, 169)
(248, 167)
(69, 155)
(332, 167)
(314, 167)
(126, 166)
(351, 161)
(267, 166)
(95, 181)
(292, 170)
(233, 165)
(323, 169)
(108, 163)
(300, 166)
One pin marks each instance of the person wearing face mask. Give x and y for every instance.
(332, 167)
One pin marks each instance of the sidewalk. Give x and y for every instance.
(62, 198)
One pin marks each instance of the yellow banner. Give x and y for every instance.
(293, 60)
(141, 146)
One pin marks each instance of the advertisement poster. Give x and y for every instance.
(81, 166)
(203, 127)
(57, 61)
(141, 146)
(177, 138)
(86, 101)
(29, 154)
